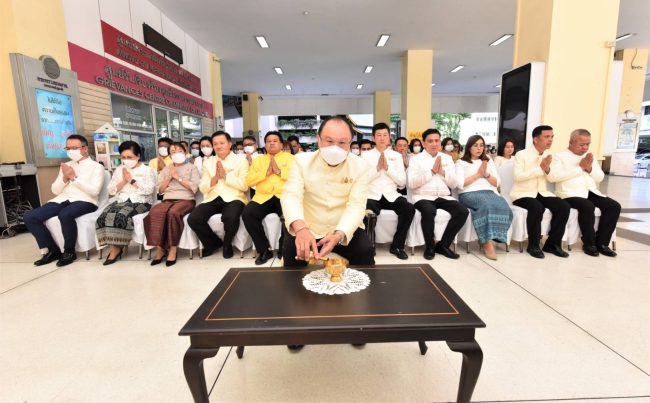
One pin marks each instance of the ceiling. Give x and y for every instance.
(325, 50)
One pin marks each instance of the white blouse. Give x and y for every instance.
(146, 185)
(467, 169)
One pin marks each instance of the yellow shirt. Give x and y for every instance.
(233, 187)
(153, 164)
(268, 186)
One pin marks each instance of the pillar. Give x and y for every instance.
(417, 70)
(578, 53)
(381, 107)
(251, 113)
(216, 91)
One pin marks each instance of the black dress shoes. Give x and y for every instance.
(66, 259)
(555, 249)
(446, 252)
(263, 257)
(208, 251)
(605, 250)
(170, 263)
(155, 262)
(227, 251)
(400, 253)
(295, 347)
(590, 250)
(47, 258)
(535, 251)
(429, 253)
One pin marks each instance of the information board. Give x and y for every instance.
(57, 121)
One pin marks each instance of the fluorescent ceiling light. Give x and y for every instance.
(368, 69)
(433, 84)
(278, 70)
(262, 41)
(503, 38)
(620, 38)
(497, 86)
(458, 68)
(359, 86)
(288, 87)
(382, 40)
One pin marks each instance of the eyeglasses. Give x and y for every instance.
(73, 148)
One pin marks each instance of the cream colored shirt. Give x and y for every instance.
(570, 180)
(146, 185)
(327, 198)
(87, 185)
(424, 184)
(385, 183)
(467, 169)
(233, 187)
(529, 178)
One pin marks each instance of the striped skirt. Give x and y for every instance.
(115, 224)
(163, 226)
(491, 214)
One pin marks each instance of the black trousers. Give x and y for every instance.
(610, 210)
(428, 210)
(536, 206)
(358, 251)
(254, 214)
(230, 213)
(405, 212)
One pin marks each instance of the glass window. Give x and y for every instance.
(129, 114)
(175, 125)
(162, 124)
(147, 144)
(191, 127)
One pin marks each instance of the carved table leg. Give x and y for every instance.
(193, 369)
(472, 361)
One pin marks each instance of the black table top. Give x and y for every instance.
(274, 300)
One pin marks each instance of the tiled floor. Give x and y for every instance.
(573, 329)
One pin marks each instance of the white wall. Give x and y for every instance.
(83, 25)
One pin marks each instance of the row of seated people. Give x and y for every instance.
(226, 178)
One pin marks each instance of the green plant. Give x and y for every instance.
(449, 123)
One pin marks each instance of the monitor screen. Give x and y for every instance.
(513, 112)
(57, 121)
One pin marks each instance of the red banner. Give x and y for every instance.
(124, 47)
(98, 70)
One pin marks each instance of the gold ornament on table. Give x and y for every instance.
(334, 266)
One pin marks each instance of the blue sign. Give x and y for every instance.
(57, 121)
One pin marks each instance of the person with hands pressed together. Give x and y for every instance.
(164, 158)
(223, 185)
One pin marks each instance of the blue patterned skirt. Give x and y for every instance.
(491, 214)
(115, 225)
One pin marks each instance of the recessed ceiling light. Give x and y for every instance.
(305, 13)
(288, 87)
(278, 70)
(433, 84)
(503, 38)
(262, 41)
(368, 69)
(620, 38)
(497, 86)
(382, 40)
(458, 68)
(359, 86)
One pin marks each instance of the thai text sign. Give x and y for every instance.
(57, 121)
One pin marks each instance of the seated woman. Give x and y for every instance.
(449, 149)
(163, 226)
(205, 152)
(477, 190)
(133, 184)
(415, 146)
(505, 152)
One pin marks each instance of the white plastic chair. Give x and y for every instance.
(573, 233)
(273, 230)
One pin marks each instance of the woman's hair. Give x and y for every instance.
(503, 145)
(176, 144)
(467, 156)
(445, 141)
(129, 145)
(412, 143)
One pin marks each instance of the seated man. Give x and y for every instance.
(294, 143)
(163, 159)
(529, 192)
(577, 175)
(324, 200)
(430, 176)
(223, 184)
(365, 145)
(268, 173)
(387, 174)
(77, 188)
(354, 148)
(250, 148)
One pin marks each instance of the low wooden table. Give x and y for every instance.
(262, 307)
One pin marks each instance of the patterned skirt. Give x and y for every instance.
(491, 214)
(115, 224)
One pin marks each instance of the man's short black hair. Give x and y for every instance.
(293, 138)
(165, 140)
(272, 133)
(338, 119)
(82, 139)
(354, 143)
(401, 138)
(364, 141)
(427, 132)
(539, 129)
(129, 145)
(250, 138)
(221, 133)
(380, 126)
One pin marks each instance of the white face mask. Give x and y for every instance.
(163, 152)
(249, 149)
(178, 158)
(207, 151)
(129, 163)
(240, 152)
(355, 151)
(195, 152)
(449, 148)
(74, 155)
(417, 149)
(333, 155)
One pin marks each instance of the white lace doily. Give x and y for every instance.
(352, 280)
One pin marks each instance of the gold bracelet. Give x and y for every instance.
(300, 229)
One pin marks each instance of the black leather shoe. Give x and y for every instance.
(605, 250)
(227, 251)
(429, 253)
(66, 259)
(535, 251)
(555, 249)
(155, 262)
(590, 250)
(169, 263)
(399, 253)
(47, 258)
(263, 257)
(295, 347)
(446, 252)
(110, 261)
